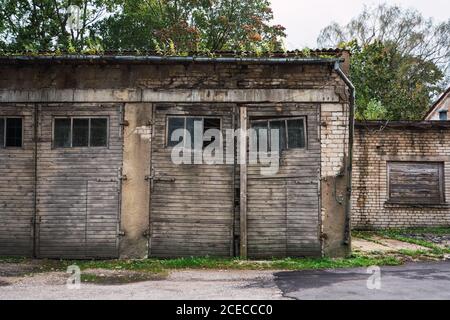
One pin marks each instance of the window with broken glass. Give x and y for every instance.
(11, 132)
(80, 132)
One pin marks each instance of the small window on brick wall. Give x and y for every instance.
(80, 132)
(416, 182)
(11, 132)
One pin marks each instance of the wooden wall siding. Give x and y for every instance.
(283, 209)
(17, 188)
(192, 215)
(78, 189)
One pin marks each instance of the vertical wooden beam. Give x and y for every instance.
(243, 180)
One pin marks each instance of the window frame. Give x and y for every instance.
(4, 118)
(412, 200)
(185, 117)
(285, 119)
(89, 131)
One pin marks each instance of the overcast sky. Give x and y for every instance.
(304, 19)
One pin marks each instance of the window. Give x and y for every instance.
(292, 132)
(80, 132)
(189, 123)
(11, 132)
(416, 182)
(443, 115)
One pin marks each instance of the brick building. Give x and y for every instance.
(86, 168)
(401, 174)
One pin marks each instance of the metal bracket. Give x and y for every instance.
(121, 233)
(125, 123)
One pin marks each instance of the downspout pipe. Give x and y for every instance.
(351, 122)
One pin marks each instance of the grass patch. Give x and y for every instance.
(161, 266)
(12, 259)
(123, 277)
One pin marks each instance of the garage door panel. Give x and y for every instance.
(191, 205)
(78, 189)
(17, 186)
(283, 209)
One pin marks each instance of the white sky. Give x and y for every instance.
(303, 19)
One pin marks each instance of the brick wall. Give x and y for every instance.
(168, 76)
(374, 146)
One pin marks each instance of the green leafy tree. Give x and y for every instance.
(192, 25)
(391, 85)
(400, 60)
(43, 25)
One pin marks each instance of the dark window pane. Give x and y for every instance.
(174, 124)
(190, 125)
(99, 132)
(296, 133)
(208, 124)
(443, 115)
(2, 132)
(62, 133)
(260, 134)
(281, 127)
(80, 134)
(14, 132)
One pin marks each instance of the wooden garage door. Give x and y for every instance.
(78, 181)
(17, 180)
(191, 205)
(283, 208)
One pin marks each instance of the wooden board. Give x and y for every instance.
(283, 209)
(416, 182)
(17, 188)
(78, 189)
(192, 206)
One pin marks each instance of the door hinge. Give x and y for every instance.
(121, 233)
(125, 123)
(146, 233)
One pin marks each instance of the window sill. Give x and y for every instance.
(391, 204)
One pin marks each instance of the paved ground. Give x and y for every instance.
(412, 281)
(191, 285)
(383, 245)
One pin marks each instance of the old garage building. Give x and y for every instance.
(86, 168)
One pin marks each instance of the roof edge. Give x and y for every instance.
(422, 124)
(434, 105)
(153, 59)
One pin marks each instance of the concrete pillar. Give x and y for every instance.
(135, 187)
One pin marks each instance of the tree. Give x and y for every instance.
(391, 85)
(399, 60)
(192, 25)
(42, 25)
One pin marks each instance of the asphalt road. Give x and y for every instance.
(418, 281)
(412, 281)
